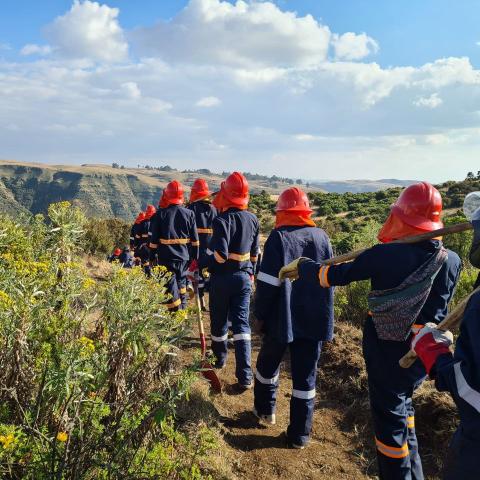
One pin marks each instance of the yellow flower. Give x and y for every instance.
(62, 436)
(7, 440)
(88, 283)
(87, 346)
(5, 300)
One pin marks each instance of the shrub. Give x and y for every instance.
(89, 380)
(103, 235)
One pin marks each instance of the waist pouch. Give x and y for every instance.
(395, 310)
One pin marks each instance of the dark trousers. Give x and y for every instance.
(391, 389)
(230, 300)
(463, 457)
(177, 285)
(304, 355)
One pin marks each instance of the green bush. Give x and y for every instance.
(89, 380)
(103, 235)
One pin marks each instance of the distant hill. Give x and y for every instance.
(101, 190)
(359, 186)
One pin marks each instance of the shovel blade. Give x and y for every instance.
(209, 373)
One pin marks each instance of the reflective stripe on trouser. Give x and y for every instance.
(230, 299)
(177, 284)
(391, 389)
(304, 355)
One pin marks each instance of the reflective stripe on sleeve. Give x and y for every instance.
(323, 276)
(242, 336)
(219, 339)
(465, 391)
(267, 381)
(195, 244)
(392, 452)
(270, 279)
(304, 394)
(153, 245)
(218, 257)
(145, 235)
(239, 257)
(174, 241)
(205, 231)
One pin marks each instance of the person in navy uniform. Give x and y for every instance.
(135, 236)
(412, 285)
(293, 315)
(459, 374)
(205, 213)
(174, 241)
(232, 255)
(143, 251)
(115, 255)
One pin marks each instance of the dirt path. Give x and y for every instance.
(258, 452)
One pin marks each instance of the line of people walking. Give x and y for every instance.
(412, 285)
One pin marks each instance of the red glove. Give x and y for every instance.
(429, 343)
(193, 266)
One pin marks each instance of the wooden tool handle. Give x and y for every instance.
(457, 228)
(451, 322)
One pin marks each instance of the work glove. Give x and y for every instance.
(290, 271)
(205, 273)
(193, 266)
(429, 343)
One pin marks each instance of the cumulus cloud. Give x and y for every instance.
(89, 30)
(284, 100)
(33, 49)
(256, 34)
(433, 101)
(351, 46)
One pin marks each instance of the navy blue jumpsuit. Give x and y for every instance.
(205, 213)
(459, 374)
(142, 250)
(298, 316)
(174, 239)
(232, 255)
(390, 386)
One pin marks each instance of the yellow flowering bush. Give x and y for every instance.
(88, 373)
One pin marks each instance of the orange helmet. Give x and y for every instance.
(235, 190)
(117, 252)
(140, 217)
(173, 193)
(420, 206)
(199, 190)
(150, 212)
(293, 200)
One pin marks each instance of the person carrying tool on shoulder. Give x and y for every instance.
(174, 240)
(411, 286)
(293, 315)
(232, 254)
(459, 374)
(205, 213)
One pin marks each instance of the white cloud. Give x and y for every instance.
(351, 46)
(433, 101)
(208, 102)
(89, 30)
(284, 102)
(33, 49)
(256, 34)
(5, 46)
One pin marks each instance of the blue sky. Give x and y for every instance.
(339, 88)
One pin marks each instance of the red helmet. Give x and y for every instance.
(199, 190)
(140, 217)
(117, 252)
(420, 206)
(173, 194)
(150, 212)
(235, 189)
(293, 200)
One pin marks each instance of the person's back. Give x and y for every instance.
(205, 214)
(300, 309)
